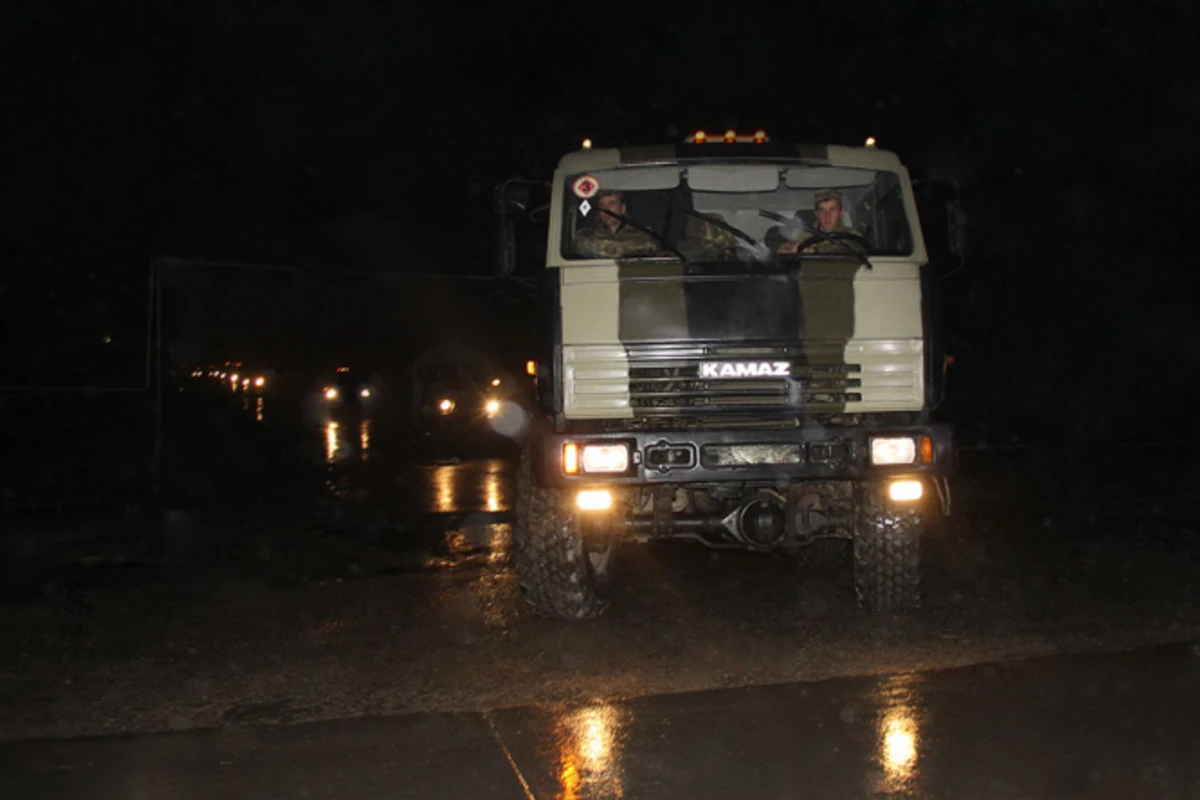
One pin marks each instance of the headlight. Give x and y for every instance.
(894, 451)
(365, 393)
(605, 458)
(492, 408)
(446, 406)
(331, 393)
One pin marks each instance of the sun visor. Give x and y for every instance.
(637, 179)
(733, 178)
(828, 177)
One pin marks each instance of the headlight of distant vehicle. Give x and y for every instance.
(898, 450)
(446, 406)
(364, 393)
(491, 408)
(331, 393)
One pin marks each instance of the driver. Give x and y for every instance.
(612, 238)
(828, 207)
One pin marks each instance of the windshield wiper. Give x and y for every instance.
(837, 237)
(670, 248)
(738, 232)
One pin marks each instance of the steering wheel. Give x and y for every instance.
(834, 236)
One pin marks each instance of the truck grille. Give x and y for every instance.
(668, 380)
(661, 384)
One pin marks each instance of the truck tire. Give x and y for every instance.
(887, 552)
(559, 578)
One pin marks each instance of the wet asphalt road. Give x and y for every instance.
(373, 644)
(1112, 726)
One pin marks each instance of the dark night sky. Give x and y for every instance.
(363, 135)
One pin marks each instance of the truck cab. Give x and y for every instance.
(738, 345)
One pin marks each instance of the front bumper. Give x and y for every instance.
(682, 457)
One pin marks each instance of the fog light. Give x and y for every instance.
(594, 500)
(905, 491)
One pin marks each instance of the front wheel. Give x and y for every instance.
(887, 552)
(560, 575)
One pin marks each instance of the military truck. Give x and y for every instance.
(697, 378)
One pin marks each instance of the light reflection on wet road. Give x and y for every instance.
(332, 441)
(1106, 726)
(432, 516)
(364, 437)
(1111, 725)
(898, 733)
(468, 488)
(589, 757)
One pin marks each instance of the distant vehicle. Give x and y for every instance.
(350, 387)
(449, 395)
(466, 408)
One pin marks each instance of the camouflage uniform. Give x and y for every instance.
(832, 246)
(600, 241)
(715, 237)
(827, 245)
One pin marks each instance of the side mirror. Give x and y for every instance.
(939, 204)
(511, 200)
(512, 197)
(506, 246)
(956, 228)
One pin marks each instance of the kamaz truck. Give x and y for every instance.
(726, 356)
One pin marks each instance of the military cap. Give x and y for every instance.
(827, 194)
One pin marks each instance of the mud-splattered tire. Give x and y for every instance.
(557, 576)
(887, 552)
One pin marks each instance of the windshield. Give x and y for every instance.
(714, 211)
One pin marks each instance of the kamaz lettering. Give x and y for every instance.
(753, 369)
